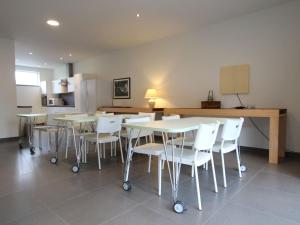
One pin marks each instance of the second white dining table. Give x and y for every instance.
(166, 127)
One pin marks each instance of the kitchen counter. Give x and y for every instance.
(61, 106)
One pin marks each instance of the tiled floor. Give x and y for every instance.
(34, 192)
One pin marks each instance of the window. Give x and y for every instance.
(24, 77)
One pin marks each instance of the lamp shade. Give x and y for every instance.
(151, 93)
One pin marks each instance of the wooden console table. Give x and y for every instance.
(129, 110)
(277, 129)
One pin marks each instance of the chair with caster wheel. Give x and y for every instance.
(149, 149)
(199, 156)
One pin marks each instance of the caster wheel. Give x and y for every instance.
(126, 186)
(53, 160)
(179, 207)
(32, 152)
(75, 169)
(243, 168)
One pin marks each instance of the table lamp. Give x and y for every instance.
(151, 94)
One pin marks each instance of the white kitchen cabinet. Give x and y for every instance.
(56, 87)
(71, 84)
(43, 87)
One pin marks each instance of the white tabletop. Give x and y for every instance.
(32, 115)
(175, 126)
(79, 119)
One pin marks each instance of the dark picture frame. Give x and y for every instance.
(122, 88)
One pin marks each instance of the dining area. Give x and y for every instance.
(172, 142)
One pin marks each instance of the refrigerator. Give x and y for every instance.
(85, 93)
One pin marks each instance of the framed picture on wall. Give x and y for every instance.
(122, 88)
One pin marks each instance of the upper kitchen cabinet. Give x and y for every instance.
(71, 84)
(43, 87)
(60, 86)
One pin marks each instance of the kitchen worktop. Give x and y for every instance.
(61, 106)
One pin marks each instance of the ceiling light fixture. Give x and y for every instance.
(53, 23)
(61, 58)
(138, 15)
(29, 53)
(70, 54)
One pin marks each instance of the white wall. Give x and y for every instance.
(60, 71)
(185, 67)
(8, 100)
(31, 95)
(45, 74)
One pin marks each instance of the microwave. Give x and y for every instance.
(55, 101)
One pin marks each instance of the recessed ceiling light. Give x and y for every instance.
(53, 23)
(138, 15)
(61, 58)
(70, 54)
(29, 53)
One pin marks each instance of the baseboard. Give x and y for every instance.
(245, 148)
(10, 139)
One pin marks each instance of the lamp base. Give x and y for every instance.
(151, 104)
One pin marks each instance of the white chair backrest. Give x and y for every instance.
(206, 136)
(103, 114)
(151, 115)
(172, 117)
(109, 124)
(232, 129)
(99, 113)
(135, 133)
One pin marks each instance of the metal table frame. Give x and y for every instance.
(168, 127)
(30, 120)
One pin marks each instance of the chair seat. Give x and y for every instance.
(188, 156)
(47, 128)
(227, 147)
(124, 134)
(188, 141)
(150, 149)
(102, 138)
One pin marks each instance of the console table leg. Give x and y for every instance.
(274, 140)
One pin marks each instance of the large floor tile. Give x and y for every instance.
(94, 207)
(141, 216)
(276, 202)
(39, 218)
(233, 214)
(17, 205)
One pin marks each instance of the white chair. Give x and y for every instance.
(50, 127)
(73, 131)
(188, 141)
(147, 148)
(229, 142)
(99, 113)
(112, 151)
(151, 136)
(202, 154)
(152, 118)
(108, 131)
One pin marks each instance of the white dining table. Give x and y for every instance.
(82, 121)
(166, 127)
(30, 120)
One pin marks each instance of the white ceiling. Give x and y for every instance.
(89, 27)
